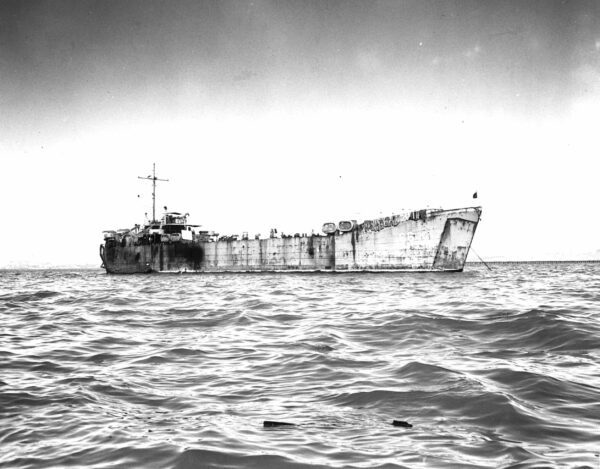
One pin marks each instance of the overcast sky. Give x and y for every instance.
(292, 113)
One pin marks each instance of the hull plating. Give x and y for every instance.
(439, 241)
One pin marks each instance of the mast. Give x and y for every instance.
(153, 178)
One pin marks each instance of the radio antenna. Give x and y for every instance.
(153, 178)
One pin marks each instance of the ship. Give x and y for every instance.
(426, 240)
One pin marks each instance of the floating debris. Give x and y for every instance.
(269, 423)
(401, 423)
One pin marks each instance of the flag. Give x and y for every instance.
(475, 195)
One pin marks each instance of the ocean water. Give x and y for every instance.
(491, 368)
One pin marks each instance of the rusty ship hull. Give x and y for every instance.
(428, 240)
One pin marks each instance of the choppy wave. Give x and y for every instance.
(492, 369)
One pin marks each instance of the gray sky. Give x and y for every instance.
(291, 114)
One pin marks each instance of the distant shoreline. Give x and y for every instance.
(471, 263)
(590, 261)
